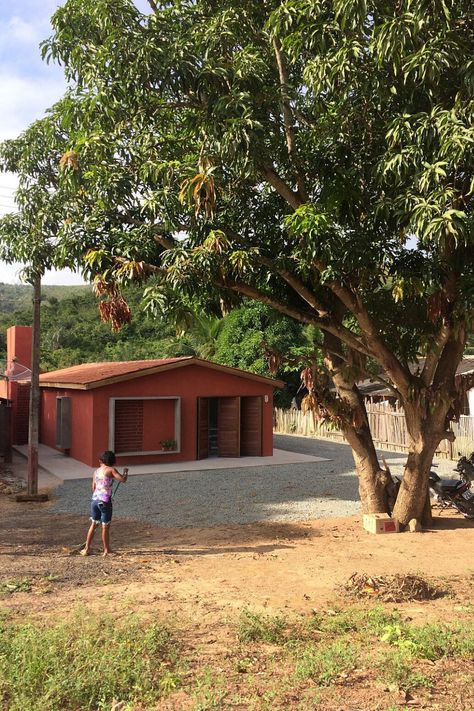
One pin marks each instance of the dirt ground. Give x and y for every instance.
(203, 575)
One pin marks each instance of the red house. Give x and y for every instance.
(196, 407)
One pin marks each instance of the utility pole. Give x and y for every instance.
(33, 429)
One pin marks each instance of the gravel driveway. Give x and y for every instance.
(295, 492)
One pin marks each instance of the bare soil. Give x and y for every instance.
(203, 577)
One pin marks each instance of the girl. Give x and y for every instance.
(101, 504)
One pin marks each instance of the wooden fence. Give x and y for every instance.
(388, 429)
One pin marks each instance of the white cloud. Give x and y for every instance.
(24, 99)
(16, 31)
(10, 274)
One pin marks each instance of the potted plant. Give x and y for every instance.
(169, 444)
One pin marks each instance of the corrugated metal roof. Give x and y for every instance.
(374, 388)
(92, 375)
(466, 365)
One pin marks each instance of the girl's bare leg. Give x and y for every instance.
(106, 538)
(90, 536)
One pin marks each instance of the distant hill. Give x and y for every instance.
(17, 297)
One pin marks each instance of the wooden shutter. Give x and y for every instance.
(63, 422)
(128, 426)
(228, 427)
(251, 427)
(203, 428)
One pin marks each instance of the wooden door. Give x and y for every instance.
(228, 427)
(251, 429)
(203, 428)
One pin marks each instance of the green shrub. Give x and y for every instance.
(436, 641)
(399, 667)
(254, 627)
(326, 661)
(12, 586)
(84, 664)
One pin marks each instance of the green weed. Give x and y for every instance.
(432, 641)
(242, 666)
(353, 621)
(85, 663)
(326, 661)
(396, 668)
(210, 689)
(254, 627)
(13, 586)
(378, 619)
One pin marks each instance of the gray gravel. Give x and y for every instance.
(295, 492)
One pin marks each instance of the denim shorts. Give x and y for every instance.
(101, 511)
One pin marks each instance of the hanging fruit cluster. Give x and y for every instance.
(113, 308)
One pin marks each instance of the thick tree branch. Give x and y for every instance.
(292, 198)
(379, 350)
(376, 346)
(145, 266)
(432, 359)
(450, 358)
(251, 292)
(297, 286)
(288, 121)
(370, 376)
(165, 242)
(343, 333)
(153, 5)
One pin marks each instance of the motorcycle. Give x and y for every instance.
(446, 493)
(452, 492)
(465, 468)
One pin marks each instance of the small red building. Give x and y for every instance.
(203, 409)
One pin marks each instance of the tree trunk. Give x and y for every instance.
(33, 434)
(374, 482)
(414, 490)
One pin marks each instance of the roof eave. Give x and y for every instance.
(160, 369)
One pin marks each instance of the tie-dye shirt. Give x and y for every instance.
(103, 486)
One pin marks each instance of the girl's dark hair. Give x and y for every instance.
(108, 458)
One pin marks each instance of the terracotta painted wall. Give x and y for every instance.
(19, 393)
(19, 342)
(19, 339)
(81, 422)
(188, 383)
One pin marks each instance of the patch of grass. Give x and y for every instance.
(254, 627)
(85, 664)
(353, 620)
(436, 641)
(396, 669)
(378, 618)
(337, 622)
(325, 662)
(242, 666)
(13, 586)
(432, 641)
(210, 689)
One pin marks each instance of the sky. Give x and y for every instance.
(28, 86)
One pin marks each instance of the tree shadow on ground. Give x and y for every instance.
(30, 529)
(449, 523)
